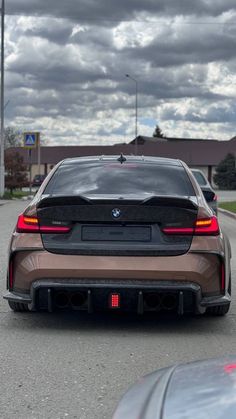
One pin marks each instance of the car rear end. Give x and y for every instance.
(105, 234)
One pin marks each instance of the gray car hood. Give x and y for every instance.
(199, 390)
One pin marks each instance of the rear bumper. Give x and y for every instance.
(186, 296)
(203, 269)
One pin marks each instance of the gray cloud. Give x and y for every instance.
(66, 68)
(112, 9)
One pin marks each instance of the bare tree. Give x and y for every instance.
(13, 137)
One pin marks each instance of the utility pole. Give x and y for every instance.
(2, 169)
(136, 112)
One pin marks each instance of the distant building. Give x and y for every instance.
(201, 154)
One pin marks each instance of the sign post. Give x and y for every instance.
(32, 141)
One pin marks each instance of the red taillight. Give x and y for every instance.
(114, 300)
(229, 368)
(203, 227)
(54, 229)
(10, 274)
(178, 230)
(222, 277)
(207, 227)
(27, 224)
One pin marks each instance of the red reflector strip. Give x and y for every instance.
(10, 274)
(31, 225)
(114, 300)
(222, 277)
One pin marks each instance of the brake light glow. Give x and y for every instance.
(203, 227)
(31, 225)
(114, 300)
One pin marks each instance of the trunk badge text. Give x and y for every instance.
(116, 213)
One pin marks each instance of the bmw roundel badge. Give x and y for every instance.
(116, 213)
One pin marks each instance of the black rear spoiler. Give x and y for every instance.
(174, 201)
(53, 201)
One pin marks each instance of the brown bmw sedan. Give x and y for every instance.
(119, 233)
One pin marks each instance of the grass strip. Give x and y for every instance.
(229, 206)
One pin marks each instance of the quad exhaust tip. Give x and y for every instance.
(156, 302)
(62, 299)
(74, 300)
(153, 301)
(169, 302)
(77, 300)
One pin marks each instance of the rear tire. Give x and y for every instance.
(18, 307)
(219, 310)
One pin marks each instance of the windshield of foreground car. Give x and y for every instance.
(114, 178)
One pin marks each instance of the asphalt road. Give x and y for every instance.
(78, 366)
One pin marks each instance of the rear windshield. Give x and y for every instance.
(115, 178)
(200, 178)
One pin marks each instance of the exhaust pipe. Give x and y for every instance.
(153, 301)
(77, 300)
(61, 299)
(169, 302)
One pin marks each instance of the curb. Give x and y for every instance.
(226, 212)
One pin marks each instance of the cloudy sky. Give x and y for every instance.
(66, 62)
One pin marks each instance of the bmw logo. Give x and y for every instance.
(116, 213)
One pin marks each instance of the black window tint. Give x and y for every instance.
(115, 178)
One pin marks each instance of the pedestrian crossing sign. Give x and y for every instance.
(31, 139)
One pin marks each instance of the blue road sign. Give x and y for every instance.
(30, 139)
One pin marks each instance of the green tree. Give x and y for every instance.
(225, 176)
(158, 132)
(16, 176)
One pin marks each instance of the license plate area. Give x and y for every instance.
(116, 233)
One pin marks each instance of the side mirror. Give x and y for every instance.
(209, 195)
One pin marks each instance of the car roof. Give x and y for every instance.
(129, 158)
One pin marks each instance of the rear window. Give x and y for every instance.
(200, 178)
(115, 178)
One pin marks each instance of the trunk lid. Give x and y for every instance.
(120, 226)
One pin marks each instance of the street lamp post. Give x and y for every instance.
(136, 112)
(2, 169)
